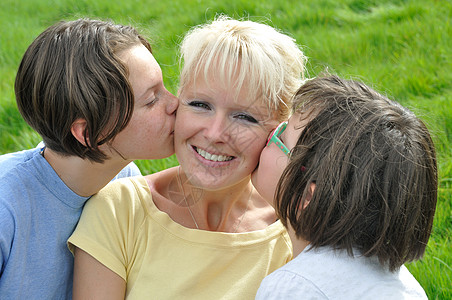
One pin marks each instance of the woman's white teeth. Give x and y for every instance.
(213, 157)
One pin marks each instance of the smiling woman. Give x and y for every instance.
(212, 123)
(201, 226)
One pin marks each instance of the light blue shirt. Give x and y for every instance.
(38, 213)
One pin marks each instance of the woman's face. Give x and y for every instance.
(218, 137)
(273, 160)
(149, 133)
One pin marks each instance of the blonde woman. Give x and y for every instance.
(199, 230)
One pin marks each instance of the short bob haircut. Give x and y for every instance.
(244, 53)
(70, 71)
(374, 167)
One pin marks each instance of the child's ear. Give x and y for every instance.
(309, 194)
(78, 129)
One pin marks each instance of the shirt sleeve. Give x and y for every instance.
(287, 285)
(106, 229)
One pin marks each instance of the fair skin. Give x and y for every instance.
(273, 161)
(233, 130)
(218, 140)
(149, 135)
(209, 120)
(271, 166)
(153, 116)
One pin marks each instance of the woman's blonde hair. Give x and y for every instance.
(239, 53)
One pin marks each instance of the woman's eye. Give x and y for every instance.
(199, 104)
(246, 117)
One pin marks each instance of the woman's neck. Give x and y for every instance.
(237, 208)
(220, 209)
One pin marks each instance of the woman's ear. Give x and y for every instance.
(78, 129)
(309, 194)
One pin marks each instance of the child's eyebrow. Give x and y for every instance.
(146, 92)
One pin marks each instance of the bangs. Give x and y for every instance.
(232, 58)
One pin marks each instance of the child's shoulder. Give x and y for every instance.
(338, 275)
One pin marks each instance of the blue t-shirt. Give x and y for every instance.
(38, 213)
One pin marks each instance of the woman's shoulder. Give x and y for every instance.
(162, 184)
(128, 185)
(162, 179)
(120, 194)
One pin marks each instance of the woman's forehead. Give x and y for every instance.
(246, 90)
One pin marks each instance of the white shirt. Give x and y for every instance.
(327, 274)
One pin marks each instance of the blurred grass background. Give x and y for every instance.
(402, 48)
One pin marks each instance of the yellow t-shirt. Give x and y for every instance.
(160, 259)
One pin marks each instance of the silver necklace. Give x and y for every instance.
(191, 213)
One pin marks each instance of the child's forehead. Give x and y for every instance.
(295, 126)
(298, 121)
(299, 117)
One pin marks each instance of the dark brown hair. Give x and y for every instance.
(70, 71)
(374, 167)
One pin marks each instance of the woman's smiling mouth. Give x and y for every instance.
(212, 157)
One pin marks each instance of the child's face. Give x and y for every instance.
(149, 133)
(273, 160)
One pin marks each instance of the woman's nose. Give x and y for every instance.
(218, 129)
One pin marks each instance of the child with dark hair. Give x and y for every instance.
(94, 92)
(356, 187)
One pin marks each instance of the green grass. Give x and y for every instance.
(402, 48)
